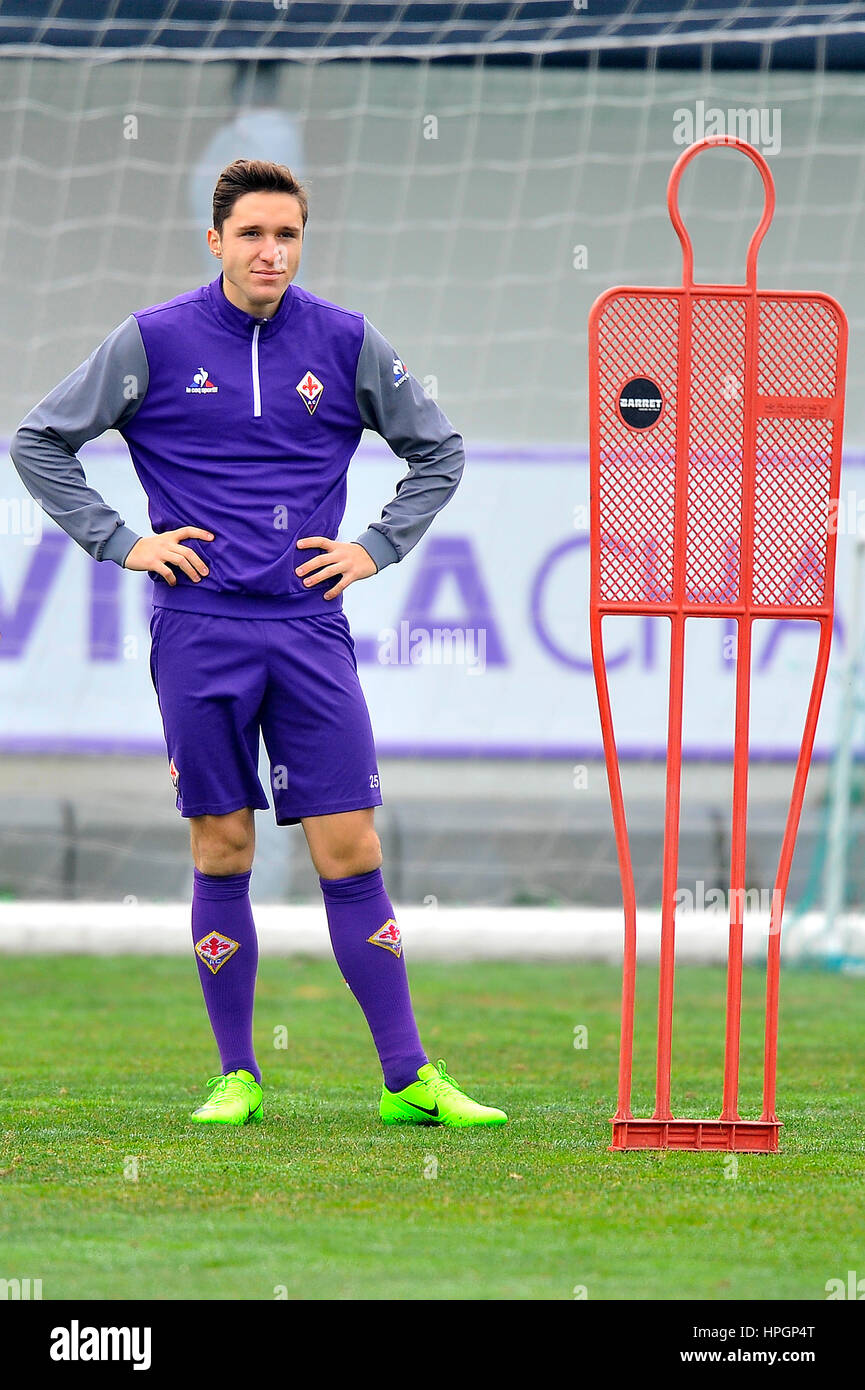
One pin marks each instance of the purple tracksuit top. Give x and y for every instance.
(244, 427)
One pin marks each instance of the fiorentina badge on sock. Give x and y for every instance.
(215, 949)
(387, 936)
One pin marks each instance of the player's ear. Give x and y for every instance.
(214, 241)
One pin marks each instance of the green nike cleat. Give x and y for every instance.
(435, 1099)
(234, 1100)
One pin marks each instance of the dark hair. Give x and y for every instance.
(254, 176)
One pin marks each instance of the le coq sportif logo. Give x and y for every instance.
(201, 385)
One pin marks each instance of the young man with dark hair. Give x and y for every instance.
(244, 461)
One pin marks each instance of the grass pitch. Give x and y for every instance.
(106, 1191)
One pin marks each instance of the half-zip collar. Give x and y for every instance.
(242, 323)
(256, 379)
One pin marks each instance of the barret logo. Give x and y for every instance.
(201, 384)
(400, 371)
(309, 388)
(640, 403)
(387, 936)
(215, 949)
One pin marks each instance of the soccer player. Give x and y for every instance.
(242, 403)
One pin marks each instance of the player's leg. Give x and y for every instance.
(226, 947)
(324, 773)
(367, 944)
(209, 676)
(366, 941)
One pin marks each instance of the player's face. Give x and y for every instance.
(260, 247)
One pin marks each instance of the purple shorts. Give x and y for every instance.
(224, 682)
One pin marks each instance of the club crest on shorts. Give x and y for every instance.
(174, 774)
(215, 949)
(387, 936)
(309, 388)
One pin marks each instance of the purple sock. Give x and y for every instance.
(368, 949)
(223, 933)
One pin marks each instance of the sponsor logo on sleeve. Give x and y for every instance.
(400, 371)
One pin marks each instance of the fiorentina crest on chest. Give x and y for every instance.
(309, 388)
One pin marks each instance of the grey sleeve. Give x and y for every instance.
(394, 404)
(103, 393)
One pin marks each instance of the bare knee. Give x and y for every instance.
(340, 848)
(223, 845)
(341, 860)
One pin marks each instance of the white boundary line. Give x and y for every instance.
(430, 933)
